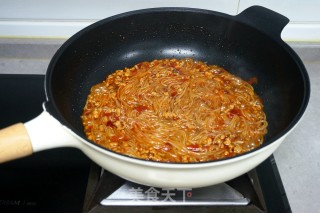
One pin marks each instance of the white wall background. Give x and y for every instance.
(63, 18)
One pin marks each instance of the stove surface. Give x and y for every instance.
(65, 180)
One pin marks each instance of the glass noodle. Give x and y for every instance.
(174, 110)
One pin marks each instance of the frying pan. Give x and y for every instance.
(248, 45)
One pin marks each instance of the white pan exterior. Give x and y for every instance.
(46, 132)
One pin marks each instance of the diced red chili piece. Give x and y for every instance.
(167, 147)
(193, 147)
(141, 108)
(110, 124)
(234, 112)
(105, 113)
(253, 80)
(117, 138)
(174, 93)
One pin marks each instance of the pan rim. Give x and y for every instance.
(53, 109)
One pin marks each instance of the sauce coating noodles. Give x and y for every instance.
(174, 110)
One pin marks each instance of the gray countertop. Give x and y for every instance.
(297, 158)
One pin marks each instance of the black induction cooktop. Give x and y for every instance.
(58, 180)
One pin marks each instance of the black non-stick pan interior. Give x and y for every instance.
(124, 40)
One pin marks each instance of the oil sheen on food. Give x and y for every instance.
(172, 110)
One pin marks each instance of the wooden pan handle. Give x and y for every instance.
(14, 143)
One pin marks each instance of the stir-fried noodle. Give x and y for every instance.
(175, 111)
